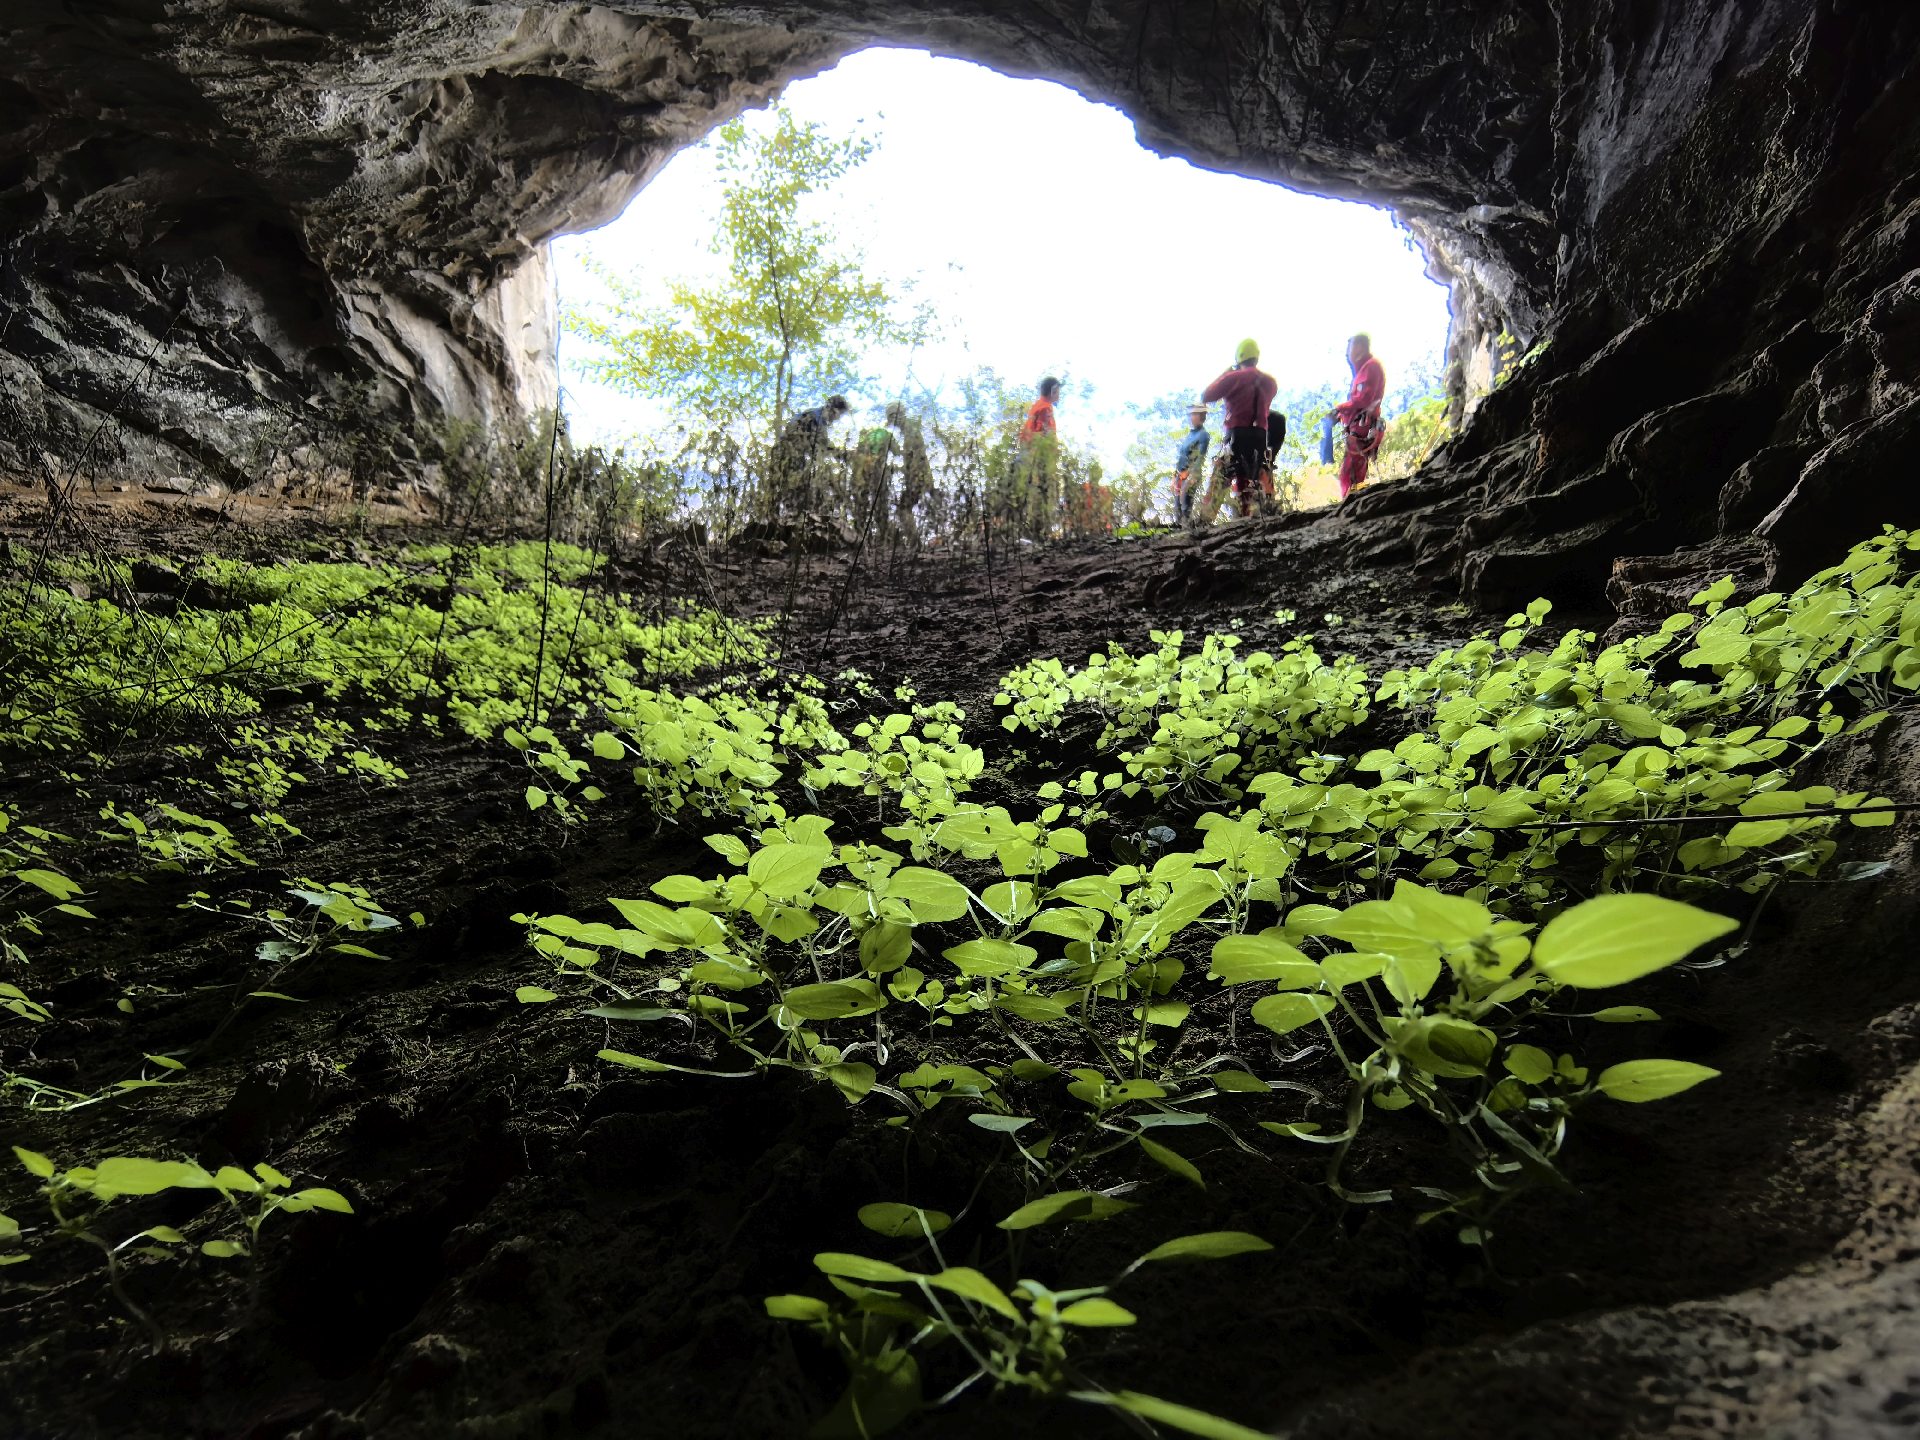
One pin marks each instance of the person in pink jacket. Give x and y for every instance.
(1360, 413)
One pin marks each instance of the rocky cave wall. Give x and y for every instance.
(227, 226)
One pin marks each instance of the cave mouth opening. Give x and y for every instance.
(1041, 238)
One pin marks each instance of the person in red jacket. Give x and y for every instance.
(1249, 392)
(1360, 413)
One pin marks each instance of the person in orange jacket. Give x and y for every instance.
(1034, 501)
(1360, 413)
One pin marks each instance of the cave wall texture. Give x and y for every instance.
(229, 224)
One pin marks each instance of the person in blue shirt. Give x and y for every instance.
(1189, 463)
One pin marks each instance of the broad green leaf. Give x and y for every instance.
(1169, 1013)
(1612, 939)
(894, 1220)
(1073, 922)
(797, 1307)
(963, 1280)
(1639, 1080)
(1311, 919)
(1383, 926)
(1529, 1063)
(629, 1011)
(1213, 1245)
(1235, 1082)
(632, 1062)
(885, 947)
(1001, 1124)
(1063, 1205)
(990, 958)
(322, 1199)
(1284, 1013)
(1350, 967)
(860, 1267)
(1242, 959)
(852, 1078)
(931, 895)
(1037, 1009)
(1172, 1160)
(1410, 978)
(834, 1000)
(222, 1249)
(1292, 1129)
(1096, 1310)
(1444, 919)
(133, 1175)
(1625, 1014)
(1443, 1046)
(51, 881)
(534, 995)
(729, 847)
(785, 871)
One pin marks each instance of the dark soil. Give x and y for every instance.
(542, 1248)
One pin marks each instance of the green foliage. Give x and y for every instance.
(887, 1321)
(431, 634)
(794, 311)
(1205, 716)
(1308, 906)
(77, 1199)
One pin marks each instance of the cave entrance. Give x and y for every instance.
(1042, 239)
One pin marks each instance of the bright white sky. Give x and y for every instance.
(1136, 277)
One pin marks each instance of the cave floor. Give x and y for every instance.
(541, 1248)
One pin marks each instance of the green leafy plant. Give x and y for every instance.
(78, 1198)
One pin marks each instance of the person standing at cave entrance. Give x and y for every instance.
(1249, 393)
(872, 458)
(1039, 461)
(1359, 413)
(796, 455)
(1189, 462)
(916, 472)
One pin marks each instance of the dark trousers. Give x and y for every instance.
(1248, 444)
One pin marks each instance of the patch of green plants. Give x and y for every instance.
(1204, 716)
(1415, 930)
(78, 1200)
(431, 634)
(888, 1322)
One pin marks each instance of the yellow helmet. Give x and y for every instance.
(1249, 350)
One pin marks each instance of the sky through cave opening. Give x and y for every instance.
(1046, 240)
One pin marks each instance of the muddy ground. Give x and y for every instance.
(544, 1248)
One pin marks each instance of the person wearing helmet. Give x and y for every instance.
(1189, 461)
(1360, 414)
(872, 459)
(1249, 393)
